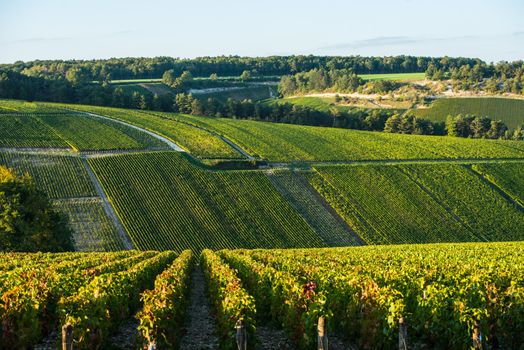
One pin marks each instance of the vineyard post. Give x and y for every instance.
(151, 346)
(241, 336)
(402, 334)
(322, 334)
(67, 337)
(477, 336)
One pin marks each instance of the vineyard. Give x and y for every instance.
(189, 207)
(25, 130)
(58, 176)
(198, 142)
(284, 142)
(97, 134)
(506, 109)
(431, 296)
(421, 203)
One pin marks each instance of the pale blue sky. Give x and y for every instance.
(64, 29)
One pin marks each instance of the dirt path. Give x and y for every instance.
(108, 208)
(200, 328)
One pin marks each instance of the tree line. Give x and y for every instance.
(339, 80)
(460, 125)
(148, 68)
(502, 77)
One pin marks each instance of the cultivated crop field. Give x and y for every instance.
(510, 111)
(57, 175)
(198, 142)
(421, 203)
(434, 296)
(284, 142)
(189, 207)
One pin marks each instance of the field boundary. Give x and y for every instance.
(108, 207)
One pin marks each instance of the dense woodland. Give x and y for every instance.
(141, 68)
(88, 82)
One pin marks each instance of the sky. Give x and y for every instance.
(88, 29)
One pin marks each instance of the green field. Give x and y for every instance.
(510, 111)
(27, 131)
(508, 178)
(58, 176)
(165, 202)
(198, 142)
(420, 203)
(284, 142)
(394, 76)
(95, 134)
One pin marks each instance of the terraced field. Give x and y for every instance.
(166, 202)
(510, 111)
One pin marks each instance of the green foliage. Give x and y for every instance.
(509, 111)
(230, 300)
(192, 208)
(58, 176)
(282, 142)
(27, 221)
(281, 297)
(98, 307)
(419, 203)
(163, 314)
(199, 142)
(442, 290)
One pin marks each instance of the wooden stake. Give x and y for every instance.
(402, 334)
(322, 334)
(67, 337)
(241, 336)
(477, 336)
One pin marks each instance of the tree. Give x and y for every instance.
(27, 220)
(497, 129)
(458, 126)
(518, 134)
(392, 124)
(168, 77)
(76, 76)
(213, 77)
(287, 85)
(245, 75)
(479, 126)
